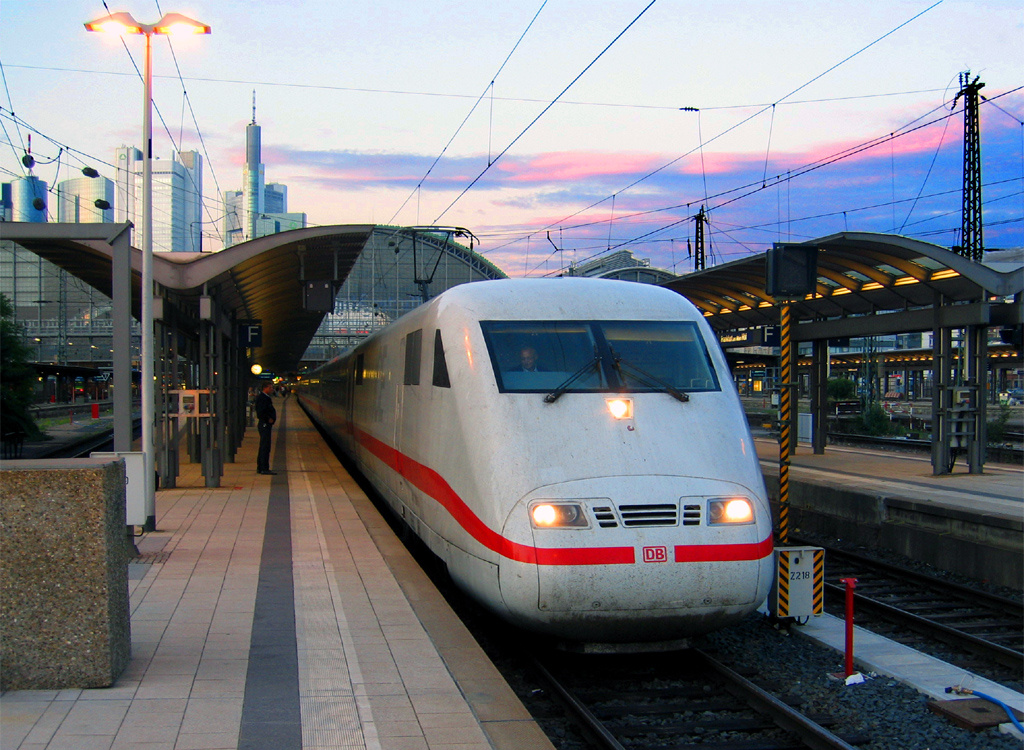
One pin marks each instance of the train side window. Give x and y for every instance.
(440, 365)
(413, 345)
(360, 368)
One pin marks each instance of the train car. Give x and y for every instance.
(573, 449)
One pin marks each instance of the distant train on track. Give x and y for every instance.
(573, 449)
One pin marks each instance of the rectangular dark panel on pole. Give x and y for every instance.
(319, 296)
(792, 270)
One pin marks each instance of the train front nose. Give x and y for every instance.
(637, 558)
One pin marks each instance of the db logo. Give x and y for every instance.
(655, 554)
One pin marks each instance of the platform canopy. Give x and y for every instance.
(260, 280)
(867, 284)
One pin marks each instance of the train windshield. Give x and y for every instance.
(593, 356)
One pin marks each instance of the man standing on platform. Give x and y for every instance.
(266, 415)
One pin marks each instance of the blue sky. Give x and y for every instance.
(357, 101)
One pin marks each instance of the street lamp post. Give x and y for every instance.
(124, 23)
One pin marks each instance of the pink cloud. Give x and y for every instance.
(913, 144)
(576, 165)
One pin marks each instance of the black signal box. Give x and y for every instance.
(319, 296)
(792, 270)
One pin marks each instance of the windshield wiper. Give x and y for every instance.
(564, 386)
(645, 378)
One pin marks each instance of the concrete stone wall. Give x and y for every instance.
(986, 548)
(64, 609)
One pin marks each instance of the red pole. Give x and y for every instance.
(851, 584)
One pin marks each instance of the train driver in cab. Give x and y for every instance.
(528, 360)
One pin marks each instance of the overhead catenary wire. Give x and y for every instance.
(10, 102)
(83, 157)
(740, 192)
(490, 87)
(435, 94)
(759, 112)
(622, 205)
(544, 111)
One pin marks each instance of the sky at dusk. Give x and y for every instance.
(555, 131)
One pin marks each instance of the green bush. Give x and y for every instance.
(841, 389)
(875, 421)
(997, 427)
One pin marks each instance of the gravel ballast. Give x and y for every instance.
(893, 714)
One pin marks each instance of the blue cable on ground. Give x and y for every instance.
(1007, 709)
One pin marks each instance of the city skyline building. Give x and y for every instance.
(177, 198)
(30, 198)
(258, 209)
(76, 200)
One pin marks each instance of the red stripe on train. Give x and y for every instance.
(724, 552)
(434, 485)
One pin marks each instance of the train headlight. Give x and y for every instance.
(730, 510)
(558, 515)
(620, 408)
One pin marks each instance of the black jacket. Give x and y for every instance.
(265, 411)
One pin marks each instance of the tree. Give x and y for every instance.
(17, 378)
(841, 389)
(874, 421)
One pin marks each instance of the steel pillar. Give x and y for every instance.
(977, 378)
(819, 396)
(942, 398)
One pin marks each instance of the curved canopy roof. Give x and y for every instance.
(859, 273)
(262, 279)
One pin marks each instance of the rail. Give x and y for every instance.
(937, 609)
(710, 698)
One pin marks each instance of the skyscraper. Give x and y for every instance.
(252, 177)
(258, 209)
(29, 199)
(177, 198)
(76, 200)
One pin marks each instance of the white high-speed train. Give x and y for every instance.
(573, 450)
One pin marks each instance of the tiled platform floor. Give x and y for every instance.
(377, 659)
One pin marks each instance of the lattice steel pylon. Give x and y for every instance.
(698, 239)
(972, 242)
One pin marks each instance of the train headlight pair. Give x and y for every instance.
(558, 515)
(725, 510)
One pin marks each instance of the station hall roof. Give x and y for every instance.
(859, 274)
(261, 279)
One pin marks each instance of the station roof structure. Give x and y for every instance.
(867, 284)
(259, 280)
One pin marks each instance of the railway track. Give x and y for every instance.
(99, 441)
(908, 606)
(679, 700)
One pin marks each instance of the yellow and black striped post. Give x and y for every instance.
(818, 595)
(785, 413)
(782, 584)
